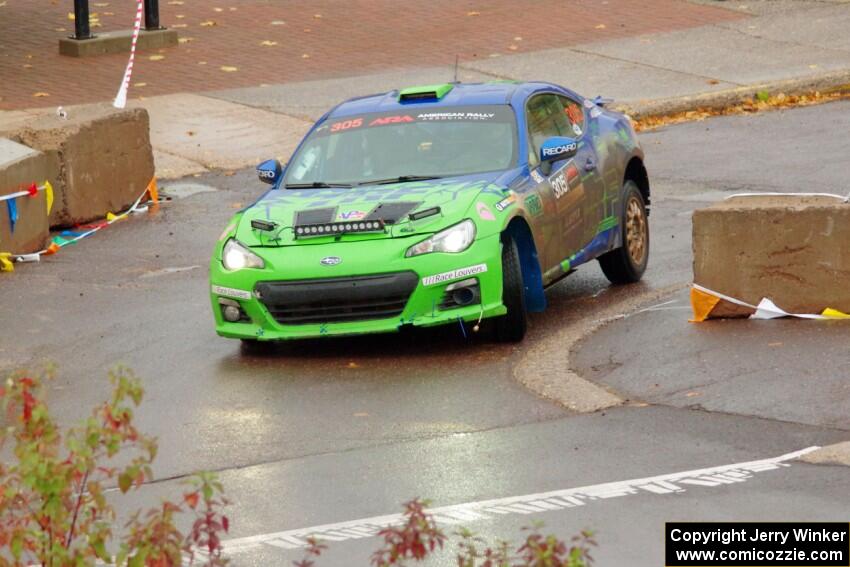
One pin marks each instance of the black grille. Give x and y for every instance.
(337, 299)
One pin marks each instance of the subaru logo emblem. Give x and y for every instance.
(331, 261)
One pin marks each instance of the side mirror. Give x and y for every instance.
(557, 148)
(270, 171)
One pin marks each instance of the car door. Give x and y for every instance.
(545, 118)
(585, 177)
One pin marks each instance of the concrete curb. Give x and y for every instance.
(553, 378)
(836, 81)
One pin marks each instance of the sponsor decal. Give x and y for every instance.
(266, 173)
(346, 125)
(456, 116)
(558, 150)
(330, 261)
(577, 129)
(484, 212)
(231, 292)
(535, 175)
(534, 205)
(454, 275)
(384, 120)
(351, 215)
(559, 184)
(506, 202)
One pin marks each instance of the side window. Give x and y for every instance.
(575, 114)
(546, 118)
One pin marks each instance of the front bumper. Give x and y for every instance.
(371, 257)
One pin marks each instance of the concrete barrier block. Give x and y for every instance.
(100, 157)
(791, 249)
(22, 166)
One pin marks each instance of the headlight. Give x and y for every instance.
(454, 239)
(235, 257)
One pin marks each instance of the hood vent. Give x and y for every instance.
(315, 216)
(390, 213)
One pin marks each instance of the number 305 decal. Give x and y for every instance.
(346, 125)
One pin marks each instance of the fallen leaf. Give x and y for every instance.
(175, 3)
(353, 365)
(307, 30)
(59, 29)
(235, 205)
(140, 85)
(513, 47)
(229, 69)
(518, 38)
(71, 16)
(27, 66)
(231, 9)
(713, 82)
(229, 173)
(156, 57)
(268, 43)
(278, 23)
(180, 16)
(305, 56)
(692, 394)
(218, 9)
(178, 26)
(774, 344)
(185, 39)
(40, 95)
(202, 62)
(600, 27)
(208, 24)
(473, 13)
(317, 16)
(109, 13)
(190, 133)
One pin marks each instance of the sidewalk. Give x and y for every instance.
(638, 53)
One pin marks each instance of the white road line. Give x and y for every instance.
(526, 504)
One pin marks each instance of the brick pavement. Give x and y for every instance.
(306, 40)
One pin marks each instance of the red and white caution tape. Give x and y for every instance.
(121, 98)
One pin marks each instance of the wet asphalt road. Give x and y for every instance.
(326, 431)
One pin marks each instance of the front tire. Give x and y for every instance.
(511, 328)
(627, 263)
(253, 347)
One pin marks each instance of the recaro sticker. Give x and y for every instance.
(454, 275)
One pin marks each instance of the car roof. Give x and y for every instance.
(461, 94)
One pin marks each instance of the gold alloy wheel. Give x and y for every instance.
(636, 230)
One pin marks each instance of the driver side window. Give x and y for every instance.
(546, 118)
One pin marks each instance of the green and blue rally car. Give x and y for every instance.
(433, 205)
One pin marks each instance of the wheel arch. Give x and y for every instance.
(636, 171)
(532, 276)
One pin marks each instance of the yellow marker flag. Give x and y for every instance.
(834, 314)
(48, 196)
(702, 303)
(6, 264)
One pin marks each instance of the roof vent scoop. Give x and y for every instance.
(425, 93)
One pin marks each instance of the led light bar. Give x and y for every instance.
(331, 228)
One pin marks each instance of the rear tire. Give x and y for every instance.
(510, 328)
(627, 263)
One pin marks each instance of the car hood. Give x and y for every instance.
(288, 207)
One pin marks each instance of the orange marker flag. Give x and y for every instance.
(702, 303)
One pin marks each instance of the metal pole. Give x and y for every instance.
(81, 20)
(152, 15)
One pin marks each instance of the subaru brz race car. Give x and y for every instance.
(441, 204)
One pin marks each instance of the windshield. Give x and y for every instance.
(388, 146)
